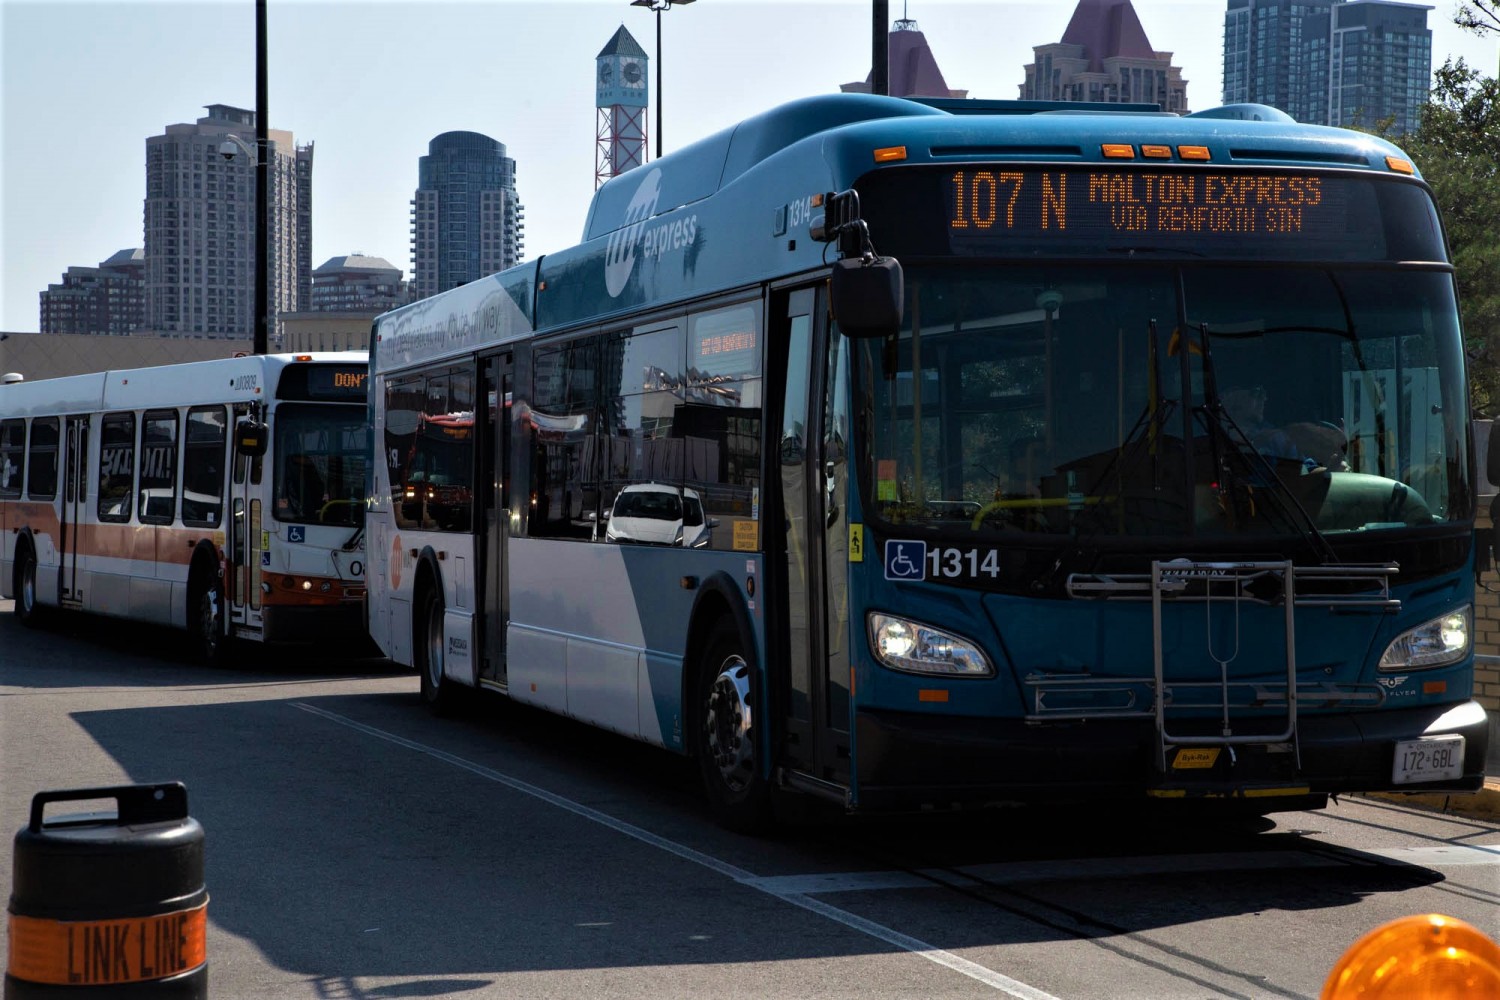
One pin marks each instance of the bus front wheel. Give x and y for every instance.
(437, 690)
(207, 617)
(728, 731)
(26, 607)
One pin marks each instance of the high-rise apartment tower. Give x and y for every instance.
(467, 221)
(200, 227)
(1330, 62)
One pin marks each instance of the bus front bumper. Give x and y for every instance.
(911, 760)
(341, 624)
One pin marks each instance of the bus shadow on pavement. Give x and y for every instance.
(82, 650)
(352, 838)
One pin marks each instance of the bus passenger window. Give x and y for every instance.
(429, 450)
(42, 484)
(719, 423)
(565, 458)
(116, 466)
(203, 467)
(12, 456)
(158, 469)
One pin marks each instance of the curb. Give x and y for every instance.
(1483, 804)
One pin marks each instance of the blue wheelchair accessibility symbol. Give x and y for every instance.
(296, 533)
(905, 560)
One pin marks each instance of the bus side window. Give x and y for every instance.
(12, 457)
(203, 466)
(42, 484)
(116, 466)
(403, 409)
(565, 456)
(158, 467)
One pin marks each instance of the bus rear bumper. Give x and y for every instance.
(908, 760)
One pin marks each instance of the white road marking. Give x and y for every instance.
(922, 949)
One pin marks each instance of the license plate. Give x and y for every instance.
(1431, 758)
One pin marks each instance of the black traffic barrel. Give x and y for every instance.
(109, 905)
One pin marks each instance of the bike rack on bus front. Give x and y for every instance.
(1365, 587)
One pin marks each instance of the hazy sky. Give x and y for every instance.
(370, 83)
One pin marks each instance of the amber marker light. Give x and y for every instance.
(1157, 152)
(890, 154)
(1425, 955)
(1118, 151)
(301, 357)
(1198, 153)
(1399, 165)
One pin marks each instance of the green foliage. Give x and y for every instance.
(1478, 16)
(1457, 148)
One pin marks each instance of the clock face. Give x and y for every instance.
(606, 74)
(631, 72)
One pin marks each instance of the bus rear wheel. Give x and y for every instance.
(26, 608)
(437, 691)
(728, 733)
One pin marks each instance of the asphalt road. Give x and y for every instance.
(356, 847)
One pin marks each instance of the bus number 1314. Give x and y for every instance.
(954, 563)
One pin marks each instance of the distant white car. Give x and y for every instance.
(654, 514)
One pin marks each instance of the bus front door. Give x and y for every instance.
(247, 542)
(809, 629)
(492, 520)
(75, 491)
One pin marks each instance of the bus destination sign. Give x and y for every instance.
(996, 202)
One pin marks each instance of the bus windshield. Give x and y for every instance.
(320, 463)
(1187, 399)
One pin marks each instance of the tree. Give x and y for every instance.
(1457, 147)
(1479, 16)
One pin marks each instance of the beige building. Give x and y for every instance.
(1105, 57)
(326, 331)
(53, 355)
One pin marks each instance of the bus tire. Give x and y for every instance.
(27, 609)
(728, 731)
(438, 692)
(206, 621)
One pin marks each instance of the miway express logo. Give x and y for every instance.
(655, 241)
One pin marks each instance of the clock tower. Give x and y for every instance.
(620, 95)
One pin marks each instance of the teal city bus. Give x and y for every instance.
(1001, 453)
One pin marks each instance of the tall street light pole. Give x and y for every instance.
(658, 6)
(262, 176)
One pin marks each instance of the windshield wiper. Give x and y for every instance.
(1222, 429)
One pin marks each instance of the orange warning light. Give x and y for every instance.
(1426, 955)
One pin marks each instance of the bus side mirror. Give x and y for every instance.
(250, 438)
(867, 296)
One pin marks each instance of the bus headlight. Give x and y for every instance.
(920, 649)
(1436, 643)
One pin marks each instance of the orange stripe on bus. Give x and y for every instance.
(106, 952)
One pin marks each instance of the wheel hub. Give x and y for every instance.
(727, 728)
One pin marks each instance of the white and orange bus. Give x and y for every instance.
(224, 497)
